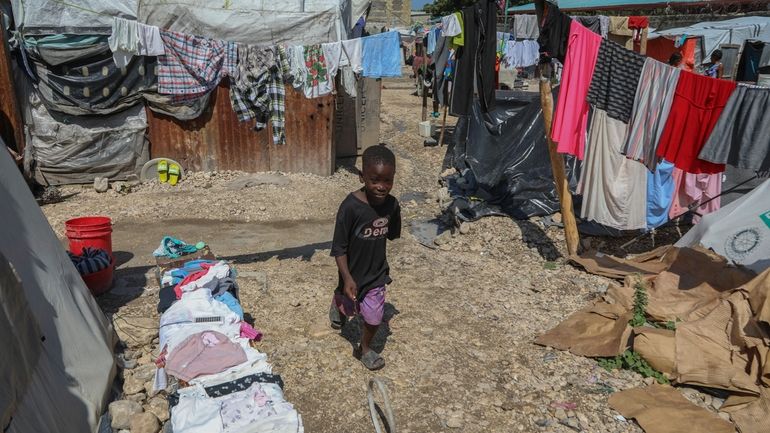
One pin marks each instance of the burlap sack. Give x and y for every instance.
(599, 330)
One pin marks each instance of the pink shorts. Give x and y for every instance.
(371, 308)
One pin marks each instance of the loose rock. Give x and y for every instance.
(145, 422)
(122, 411)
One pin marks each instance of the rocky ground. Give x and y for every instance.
(461, 318)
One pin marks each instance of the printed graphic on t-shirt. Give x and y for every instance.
(375, 229)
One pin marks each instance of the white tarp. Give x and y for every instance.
(70, 16)
(716, 33)
(739, 231)
(71, 360)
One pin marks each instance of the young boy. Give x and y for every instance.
(366, 219)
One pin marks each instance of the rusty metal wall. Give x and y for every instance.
(217, 141)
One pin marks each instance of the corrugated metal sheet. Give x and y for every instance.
(217, 141)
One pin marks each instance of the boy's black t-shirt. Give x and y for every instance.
(361, 232)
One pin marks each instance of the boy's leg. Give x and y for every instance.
(371, 308)
(340, 309)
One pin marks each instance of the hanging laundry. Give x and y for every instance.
(692, 188)
(555, 35)
(450, 25)
(654, 96)
(570, 118)
(637, 24)
(614, 187)
(382, 55)
(352, 49)
(698, 102)
(475, 67)
(333, 56)
(130, 38)
(317, 82)
(296, 58)
(525, 27)
(191, 66)
(741, 136)
(208, 352)
(604, 22)
(440, 58)
(459, 39)
(258, 91)
(520, 54)
(615, 79)
(592, 23)
(431, 45)
(620, 33)
(660, 193)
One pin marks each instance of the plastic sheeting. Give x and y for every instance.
(507, 155)
(76, 149)
(251, 21)
(48, 17)
(72, 363)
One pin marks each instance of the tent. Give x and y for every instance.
(57, 358)
(739, 231)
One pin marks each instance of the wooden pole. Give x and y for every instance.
(643, 42)
(424, 89)
(443, 127)
(557, 161)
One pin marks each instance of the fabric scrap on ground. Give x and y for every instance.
(599, 330)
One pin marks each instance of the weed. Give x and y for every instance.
(630, 360)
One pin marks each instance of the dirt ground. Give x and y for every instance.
(461, 320)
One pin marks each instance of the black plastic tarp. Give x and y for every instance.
(504, 159)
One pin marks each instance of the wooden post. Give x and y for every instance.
(424, 88)
(11, 124)
(443, 127)
(557, 161)
(643, 42)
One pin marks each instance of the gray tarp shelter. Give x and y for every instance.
(56, 355)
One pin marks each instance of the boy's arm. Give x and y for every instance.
(394, 227)
(349, 288)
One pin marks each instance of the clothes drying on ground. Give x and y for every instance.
(130, 38)
(697, 105)
(741, 136)
(555, 35)
(228, 299)
(227, 388)
(450, 25)
(615, 79)
(195, 312)
(570, 118)
(207, 352)
(475, 66)
(690, 188)
(382, 55)
(660, 193)
(614, 187)
(317, 80)
(258, 91)
(208, 278)
(525, 27)
(654, 96)
(193, 66)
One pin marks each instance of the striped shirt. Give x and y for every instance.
(654, 95)
(615, 79)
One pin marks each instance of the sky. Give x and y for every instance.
(418, 4)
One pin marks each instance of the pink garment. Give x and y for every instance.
(690, 188)
(571, 117)
(371, 309)
(207, 352)
(248, 331)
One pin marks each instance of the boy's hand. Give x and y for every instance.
(350, 289)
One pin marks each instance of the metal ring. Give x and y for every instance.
(391, 420)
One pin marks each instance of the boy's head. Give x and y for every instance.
(378, 170)
(716, 56)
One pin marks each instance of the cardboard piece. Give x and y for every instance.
(599, 330)
(750, 414)
(663, 409)
(650, 263)
(759, 290)
(658, 348)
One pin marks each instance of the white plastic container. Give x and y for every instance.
(426, 129)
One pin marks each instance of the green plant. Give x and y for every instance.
(630, 360)
(640, 305)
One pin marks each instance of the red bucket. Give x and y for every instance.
(91, 231)
(99, 281)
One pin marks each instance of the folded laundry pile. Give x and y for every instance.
(216, 380)
(91, 260)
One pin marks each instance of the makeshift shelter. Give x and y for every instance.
(739, 231)
(57, 359)
(204, 134)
